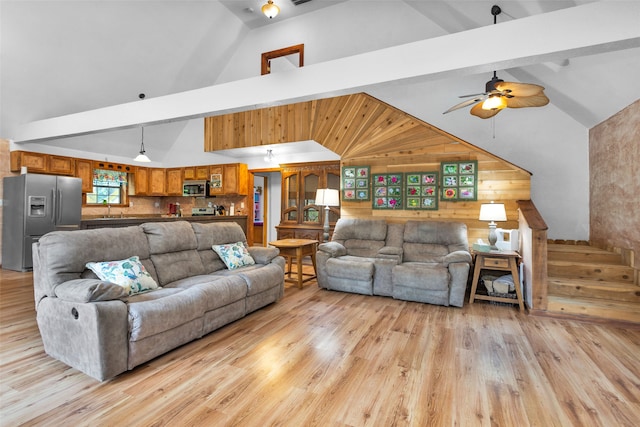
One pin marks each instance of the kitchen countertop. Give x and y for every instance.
(129, 221)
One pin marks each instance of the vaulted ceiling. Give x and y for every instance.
(64, 57)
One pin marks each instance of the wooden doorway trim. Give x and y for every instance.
(285, 51)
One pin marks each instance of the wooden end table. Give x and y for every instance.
(298, 249)
(497, 260)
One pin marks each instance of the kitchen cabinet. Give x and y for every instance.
(300, 217)
(234, 179)
(113, 167)
(198, 173)
(34, 162)
(141, 181)
(84, 171)
(59, 165)
(157, 182)
(174, 182)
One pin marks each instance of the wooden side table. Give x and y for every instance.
(298, 249)
(503, 261)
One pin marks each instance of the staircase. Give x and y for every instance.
(592, 283)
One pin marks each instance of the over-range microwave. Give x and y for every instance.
(195, 188)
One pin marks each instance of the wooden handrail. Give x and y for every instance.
(531, 215)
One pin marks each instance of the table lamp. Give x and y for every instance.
(492, 212)
(327, 197)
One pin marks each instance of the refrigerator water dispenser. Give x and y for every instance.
(37, 206)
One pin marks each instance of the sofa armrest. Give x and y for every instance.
(334, 249)
(457, 256)
(90, 290)
(390, 252)
(263, 255)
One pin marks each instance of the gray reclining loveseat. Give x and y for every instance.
(423, 261)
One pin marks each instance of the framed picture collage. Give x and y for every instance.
(420, 190)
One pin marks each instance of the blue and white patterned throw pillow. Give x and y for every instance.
(234, 255)
(128, 273)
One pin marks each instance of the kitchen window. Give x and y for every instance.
(109, 188)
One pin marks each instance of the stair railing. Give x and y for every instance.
(533, 248)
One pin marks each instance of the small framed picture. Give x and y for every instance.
(355, 182)
(216, 180)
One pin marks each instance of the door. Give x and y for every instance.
(69, 202)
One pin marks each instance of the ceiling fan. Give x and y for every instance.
(499, 94)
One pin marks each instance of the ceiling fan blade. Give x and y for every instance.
(473, 94)
(483, 114)
(466, 103)
(519, 89)
(537, 100)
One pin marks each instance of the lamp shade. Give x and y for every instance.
(142, 157)
(327, 197)
(492, 212)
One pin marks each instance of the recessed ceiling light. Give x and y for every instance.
(248, 9)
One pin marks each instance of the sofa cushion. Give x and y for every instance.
(234, 255)
(424, 252)
(217, 233)
(350, 268)
(359, 229)
(166, 237)
(259, 278)
(151, 317)
(421, 276)
(128, 273)
(452, 235)
(173, 250)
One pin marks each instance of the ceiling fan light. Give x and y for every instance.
(270, 10)
(494, 102)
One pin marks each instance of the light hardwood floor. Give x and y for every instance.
(320, 358)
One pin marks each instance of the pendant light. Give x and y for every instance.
(269, 157)
(270, 10)
(142, 157)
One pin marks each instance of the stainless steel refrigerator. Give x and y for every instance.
(33, 205)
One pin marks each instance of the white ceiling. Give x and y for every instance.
(63, 57)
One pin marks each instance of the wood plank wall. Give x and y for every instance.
(366, 131)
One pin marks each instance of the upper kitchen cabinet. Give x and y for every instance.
(174, 182)
(34, 162)
(141, 181)
(84, 171)
(198, 173)
(157, 182)
(229, 179)
(59, 165)
(113, 166)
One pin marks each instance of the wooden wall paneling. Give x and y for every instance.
(364, 130)
(347, 119)
(328, 115)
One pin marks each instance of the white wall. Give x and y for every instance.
(544, 141)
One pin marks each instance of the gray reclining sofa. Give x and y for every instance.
(423, 261)
(101, 330)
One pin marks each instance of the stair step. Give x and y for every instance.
(594, 271)
(584, 288)
(595, 308)
(582, 254)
